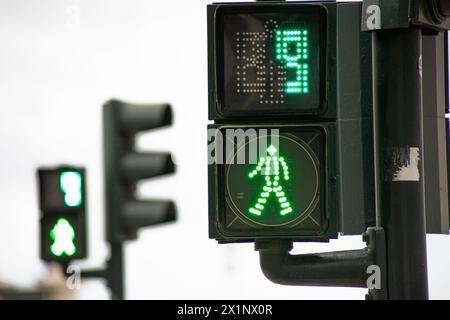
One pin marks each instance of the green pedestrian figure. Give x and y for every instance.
(63, 236)
(269, 167)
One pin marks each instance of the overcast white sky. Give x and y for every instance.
(56, 73)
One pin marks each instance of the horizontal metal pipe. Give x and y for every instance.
(332, 269)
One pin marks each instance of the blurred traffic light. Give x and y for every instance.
(124, 167)
(278, 68)
(62, 198)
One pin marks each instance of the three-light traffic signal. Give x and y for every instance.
(124, 167)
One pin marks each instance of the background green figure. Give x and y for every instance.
(269, 167)
(63, 236)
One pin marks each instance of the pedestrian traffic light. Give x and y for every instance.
(62, 197)
(280, 193)
(284, 94)
(124, 167)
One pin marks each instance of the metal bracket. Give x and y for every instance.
(336, 269)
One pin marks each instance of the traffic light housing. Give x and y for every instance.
(259, 198)
(124, 167)
(279, 67)
(62, 203)
(263, 64)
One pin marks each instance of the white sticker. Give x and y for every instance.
(410, 170)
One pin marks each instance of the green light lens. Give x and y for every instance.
(63, 235)
(71, 185)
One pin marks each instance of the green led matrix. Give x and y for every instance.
(269, 167)
(71, 185)
(63, 236)
(296, 58)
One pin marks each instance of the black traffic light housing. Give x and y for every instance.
(226, 85)
(230, 200)
(124, 167)
(62, 203)
(341, 108)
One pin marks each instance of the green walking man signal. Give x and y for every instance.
(63, 236)
(270, 169)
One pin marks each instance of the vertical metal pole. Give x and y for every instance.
(115, 272)
(447, 104)
(398, 110)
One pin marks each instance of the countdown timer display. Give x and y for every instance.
(272, 60)
(282, 190)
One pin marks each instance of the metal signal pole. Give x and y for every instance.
(397, 71)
